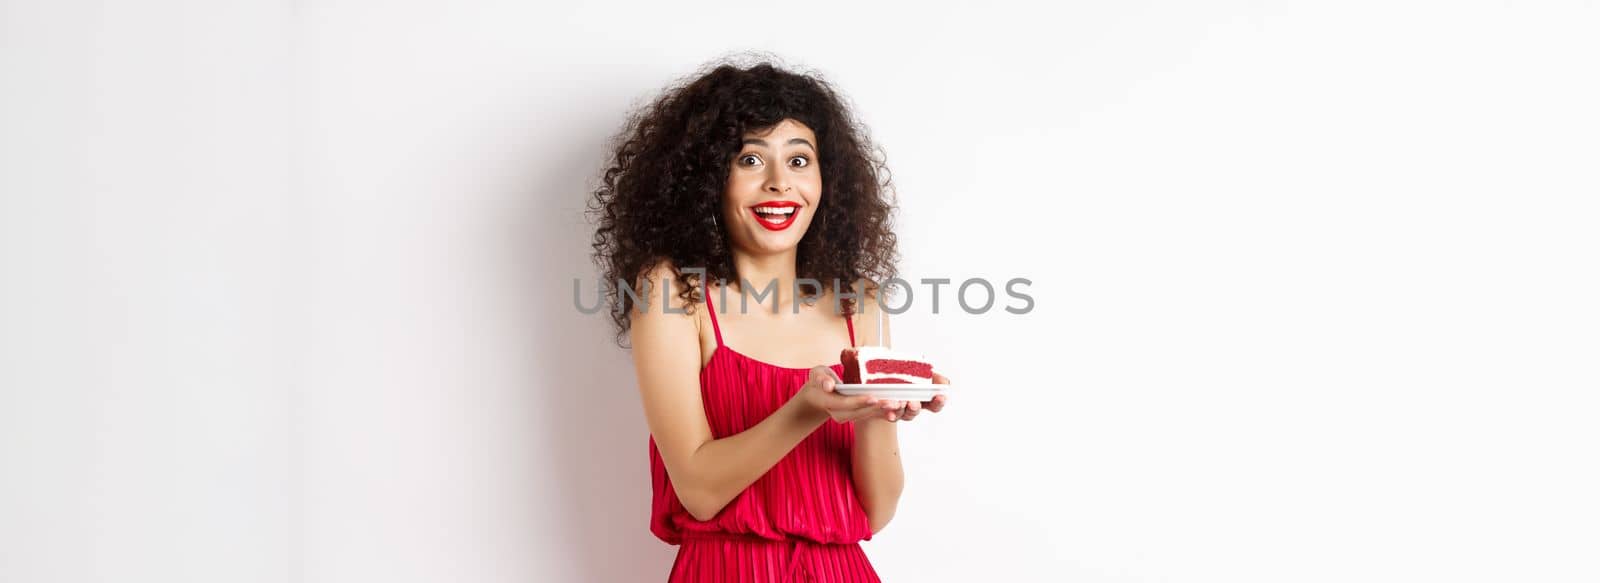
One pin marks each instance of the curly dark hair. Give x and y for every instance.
(660, 196)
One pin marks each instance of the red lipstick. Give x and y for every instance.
(770, 214)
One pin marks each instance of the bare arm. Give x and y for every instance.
(708, 473)
(878, 474)
(875, 462)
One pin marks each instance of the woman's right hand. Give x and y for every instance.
(818, 393)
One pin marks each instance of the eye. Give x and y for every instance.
(803, 158)
(749, 157)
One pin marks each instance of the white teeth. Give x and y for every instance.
(768, 210)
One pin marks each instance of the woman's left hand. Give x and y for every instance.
(895, 410)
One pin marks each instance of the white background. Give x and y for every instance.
(285, 287)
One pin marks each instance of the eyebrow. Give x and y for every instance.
(763, 143)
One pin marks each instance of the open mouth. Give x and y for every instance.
(776, 216)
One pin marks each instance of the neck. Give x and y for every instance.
(762, 271)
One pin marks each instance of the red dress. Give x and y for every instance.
(800, 521)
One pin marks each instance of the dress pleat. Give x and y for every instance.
(805, 508)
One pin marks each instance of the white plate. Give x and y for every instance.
(896, 391)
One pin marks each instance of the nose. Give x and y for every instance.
(776, 182)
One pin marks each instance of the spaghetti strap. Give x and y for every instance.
(852, 326)
(712, 310)
(805, 499)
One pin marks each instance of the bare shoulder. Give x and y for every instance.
(871, 322)
(661, 281)
(666, 360)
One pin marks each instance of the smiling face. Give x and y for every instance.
(773, 189)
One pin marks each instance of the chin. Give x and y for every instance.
(777, 246)
(765, 242)
(790, 238)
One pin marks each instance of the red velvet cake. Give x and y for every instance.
(876, 365)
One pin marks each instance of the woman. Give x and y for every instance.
(745, 181)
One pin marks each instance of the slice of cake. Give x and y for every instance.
(876, 365)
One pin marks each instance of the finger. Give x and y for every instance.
(874, 410)
(841, 408)
(872, 405)
(898, 413)
(853, 402)
(892, 404)
(936, 404)
(908, 411)
(863, 414)
(823, 377)
(940, 379)
(878, 413)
